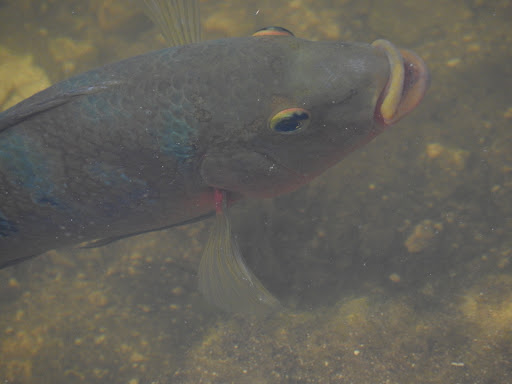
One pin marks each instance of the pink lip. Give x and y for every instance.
(408, 82)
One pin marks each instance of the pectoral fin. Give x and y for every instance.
(224, 279)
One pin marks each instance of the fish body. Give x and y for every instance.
(139, 144)
(174, 135)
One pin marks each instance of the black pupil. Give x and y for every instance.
(291, 123)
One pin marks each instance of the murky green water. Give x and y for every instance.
(395, 265)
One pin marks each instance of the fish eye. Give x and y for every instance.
(290, 120)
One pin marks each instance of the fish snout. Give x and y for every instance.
(408, 82)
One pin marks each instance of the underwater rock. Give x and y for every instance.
(488, 305)
(17, 351)
(423, 236)
(508, 113)
(19, 78)
(499, 158)
(450, 160)
(67, 53)
(429, 16)
(115, 15)
(98, 298)
(223, 20)
(444, 169)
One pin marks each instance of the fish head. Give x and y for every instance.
(312, 103)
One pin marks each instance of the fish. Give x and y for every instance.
(180, 134)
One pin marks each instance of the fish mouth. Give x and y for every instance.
(408, 82)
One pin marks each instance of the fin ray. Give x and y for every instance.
(178, 20)
(225, 280)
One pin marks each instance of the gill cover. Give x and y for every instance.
(224, 278)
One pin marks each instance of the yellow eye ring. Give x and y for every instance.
(290, 120)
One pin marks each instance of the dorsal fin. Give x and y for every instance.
(178, 20)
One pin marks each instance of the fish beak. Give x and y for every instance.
(408, 82)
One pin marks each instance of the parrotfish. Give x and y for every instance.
(178, 135)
